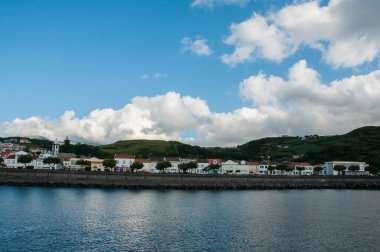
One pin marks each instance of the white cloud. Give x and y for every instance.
(155, 76)
(198, 46)
(297, 105)
(209, 4)
(346, 32)
(254, 38)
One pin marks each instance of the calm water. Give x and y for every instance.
(66, 219)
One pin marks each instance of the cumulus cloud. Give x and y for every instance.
(198, 46)
(346, 33)
(297, 105)
(209, 4)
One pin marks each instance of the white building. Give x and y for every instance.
(38, 163)
(307, 168)
(330, 167)
(124, 162)
(235, 167)
(11, 160)
(175, 162)
(263, 167)
(202, 164)
(153, 163)
(147, 167)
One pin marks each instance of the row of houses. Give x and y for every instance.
(124, 162)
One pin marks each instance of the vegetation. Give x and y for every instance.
(184, 167)
(374, 170)
(360, 145)
(161, 166)
(354, 168)
(109, 164)
(300, 169)
(52, 161)
(317, 169)
(214, 168)
(271, 168)
(339, 169)
(85, 164)
(136, 166)
(25, 159)
(2, 162)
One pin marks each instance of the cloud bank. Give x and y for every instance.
(298, 105)
(346, 33)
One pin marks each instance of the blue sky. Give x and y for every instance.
(81, 56)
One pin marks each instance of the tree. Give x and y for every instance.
(2, 162)
(354, 168)
(85, 164)
(136, 166)
(24, 159)
(271, 168)
(109, 163)
(52, 161)
(372, 169)
(282, 168)
(67, 147)
(317, 169)
(339, 168)
(214, 168)
(187, 166)
(300, 169)
(161, 166)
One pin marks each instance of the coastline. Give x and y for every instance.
(81, 179)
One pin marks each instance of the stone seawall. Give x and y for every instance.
(57, 178)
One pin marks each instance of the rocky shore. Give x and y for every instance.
(49, 178)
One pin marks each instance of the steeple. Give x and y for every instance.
(55, 148)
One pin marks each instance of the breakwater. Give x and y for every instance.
(60, 178)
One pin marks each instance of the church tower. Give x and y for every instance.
(55, 148)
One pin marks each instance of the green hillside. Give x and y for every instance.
(151, 148)
(362, 144)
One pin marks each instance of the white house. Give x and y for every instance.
(202, 164)
(38, 162)
(253, 167)
(330, 167)
(175, 162)
(153, 163)
(11, 160)
(235, 167)
(307, 168)
(147, 165)
(263, 167)
(124, 162)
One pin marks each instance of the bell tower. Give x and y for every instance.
(55, 148)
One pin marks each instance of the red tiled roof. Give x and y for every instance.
(211, 160)
(252, 163)
(141, 160)
(5, 153)
(11, 157)
(299, 164)
(172, 159)
(124, 156)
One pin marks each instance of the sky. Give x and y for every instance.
(205, 72)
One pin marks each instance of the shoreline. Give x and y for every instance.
(82, 179)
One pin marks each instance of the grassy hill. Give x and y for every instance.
(362, 144)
